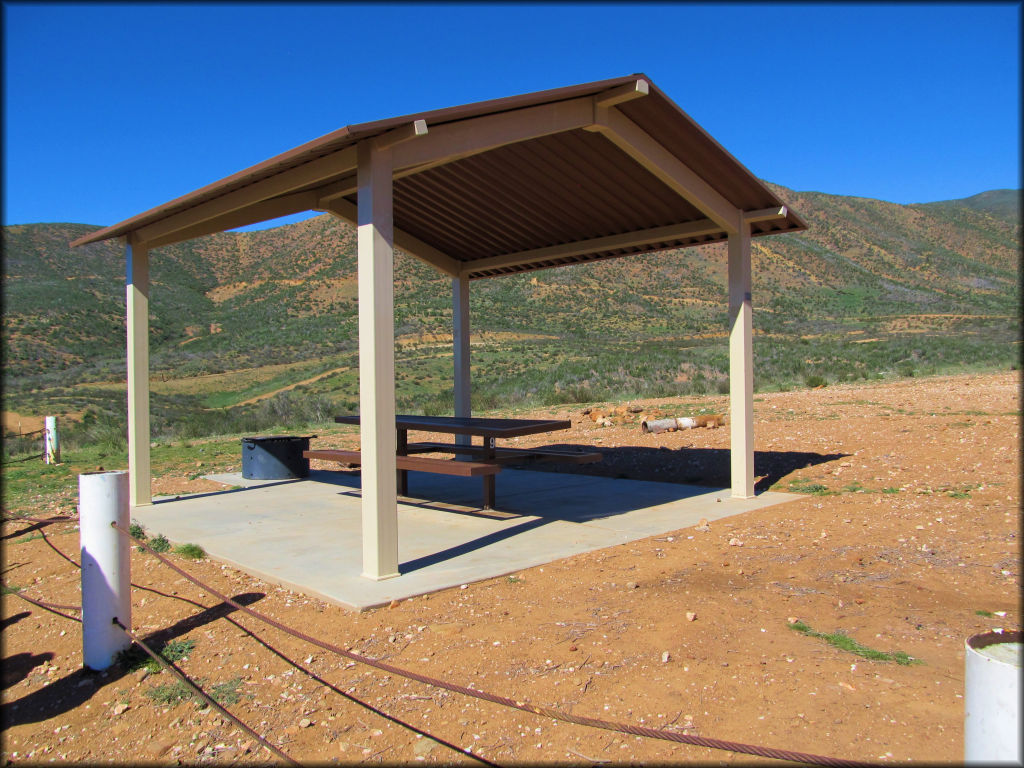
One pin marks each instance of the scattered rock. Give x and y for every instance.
(734, 542)
(305, 722)
(690, 616)
(665, 656)
(632, 585)
(703, 525)
(423, 747)
(119, 709)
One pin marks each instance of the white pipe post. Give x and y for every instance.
(51, 445)
(992, 690)
(460, 345)
(106, 566)
(377, 438)
(741, 365)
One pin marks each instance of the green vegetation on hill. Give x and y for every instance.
(872, 289)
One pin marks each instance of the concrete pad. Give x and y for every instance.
(306, 534)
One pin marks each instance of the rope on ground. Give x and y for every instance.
(37, 519)
(24, 458)
(184, 678)
(634, 730)
(51, 607)
(453, 747)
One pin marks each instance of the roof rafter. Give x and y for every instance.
(412, 245)
(639, 145)
(599, 244)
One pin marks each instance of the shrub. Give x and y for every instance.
(190, 551)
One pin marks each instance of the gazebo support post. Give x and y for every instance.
(137, 305)
(377, 436)
(741, 365)
(460, 343)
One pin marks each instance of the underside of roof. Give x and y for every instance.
(566, 176)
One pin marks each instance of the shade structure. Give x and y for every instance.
(565, 176)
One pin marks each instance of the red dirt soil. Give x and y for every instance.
(912, 545)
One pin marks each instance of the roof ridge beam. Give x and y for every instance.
(283, 183)
(598, 244)
(471, 136)
(343, 209)
(642, 147)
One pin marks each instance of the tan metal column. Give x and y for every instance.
(460, 343)
(741, 365)
(377, 362)
(137, 279)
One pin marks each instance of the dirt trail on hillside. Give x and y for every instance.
(290, 387)
(905, 538)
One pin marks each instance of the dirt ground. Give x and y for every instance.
(905, 537)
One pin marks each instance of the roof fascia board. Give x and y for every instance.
(639, 145)
(349, 212)
(283, 183)
(297, 202)
(598, 244)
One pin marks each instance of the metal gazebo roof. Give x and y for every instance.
(563, 176)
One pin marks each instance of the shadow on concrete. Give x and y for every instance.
(469, 546)
(226, 491)
(75, 689)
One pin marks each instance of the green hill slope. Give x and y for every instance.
(871, 288)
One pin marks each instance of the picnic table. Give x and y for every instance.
(484, 460)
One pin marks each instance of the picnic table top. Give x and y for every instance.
(471, 425)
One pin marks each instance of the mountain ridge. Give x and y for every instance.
(288, 294)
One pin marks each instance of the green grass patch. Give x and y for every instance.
(169, 694)
(855, 487)
(986, 614)
(135, 658)
(815, 489)
(890, 489)
(159, 543)
(11, 589)
(228, 692)
(190, 551)
(844, 642)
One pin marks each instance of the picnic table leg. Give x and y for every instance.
(489, 479)
(402, 444)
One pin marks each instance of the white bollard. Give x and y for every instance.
(51, 445)
(992, 725)
(106, 566)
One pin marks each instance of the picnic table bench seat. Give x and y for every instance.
(505, 455)
(414, 463)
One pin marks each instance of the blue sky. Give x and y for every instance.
(111, 109)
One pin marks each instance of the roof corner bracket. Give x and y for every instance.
(765, 214)
(401, 134)
(612, 98)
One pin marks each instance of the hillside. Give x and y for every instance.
(871, 288)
